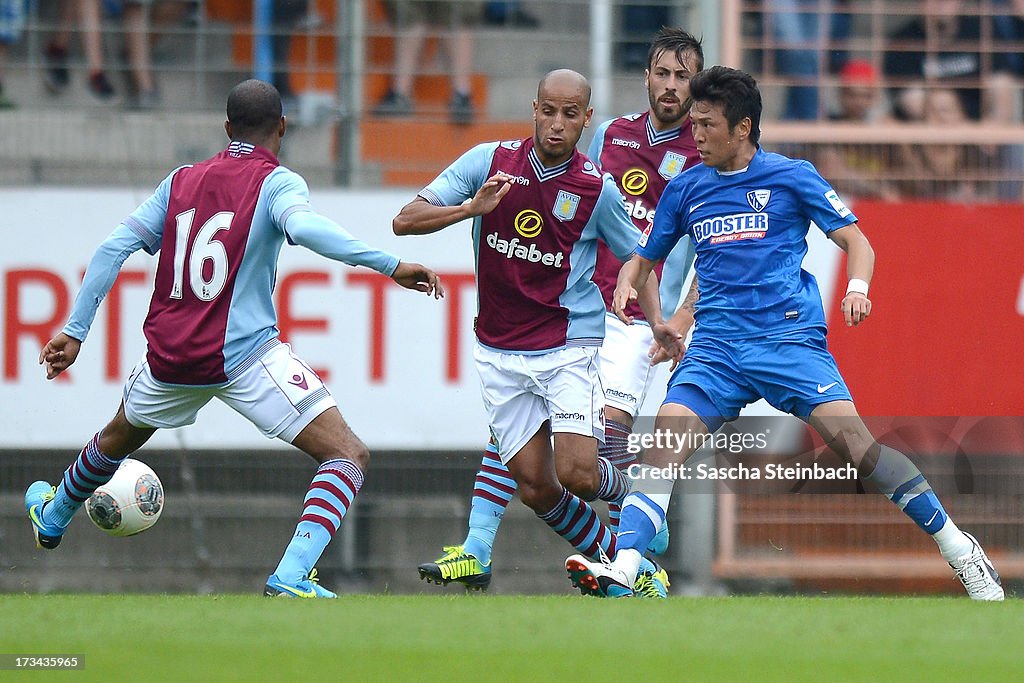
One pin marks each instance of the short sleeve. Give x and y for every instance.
(462, 179)
(818, 201)
(669, 225)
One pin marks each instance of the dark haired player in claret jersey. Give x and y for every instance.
(538, 208)
(211, 332)
(642, 152)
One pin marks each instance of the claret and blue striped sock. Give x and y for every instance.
(328, 499)
(616, 450)
(575, 521)
(492, 493)
(90, 470)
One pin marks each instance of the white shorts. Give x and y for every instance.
(522, 392)
(279, 394)
(626, 371)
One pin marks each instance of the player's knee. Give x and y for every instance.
(852, 444)
(360, 455)
(582, 481)
(539, 495)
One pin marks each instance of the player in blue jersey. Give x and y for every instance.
(642, 152)
(212, 331)
(760, 326)
(538, 208)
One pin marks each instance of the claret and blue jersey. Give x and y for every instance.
(536, 251)
(749, 229)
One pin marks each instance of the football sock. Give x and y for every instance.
(616, 450)
(576, 522)
(899, 479)
(613, 485)
(492, 493)
(952, 542)
(642, 516)
(330, 494)
(90, 470)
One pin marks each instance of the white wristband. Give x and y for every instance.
(857, 285)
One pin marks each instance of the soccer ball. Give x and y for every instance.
(130, 502)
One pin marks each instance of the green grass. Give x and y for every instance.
(504, 638)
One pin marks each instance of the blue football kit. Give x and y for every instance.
(760, 325)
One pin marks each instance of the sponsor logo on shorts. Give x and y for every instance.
(575, 417)
(299, 380)
(615, 393)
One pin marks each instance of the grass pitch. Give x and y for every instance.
(515, 638)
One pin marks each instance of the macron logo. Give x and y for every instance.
(299, 381)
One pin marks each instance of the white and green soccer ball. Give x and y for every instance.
(130, 502)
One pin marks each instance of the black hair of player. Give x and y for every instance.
(734, 91)
(254, 109)
(678, 42)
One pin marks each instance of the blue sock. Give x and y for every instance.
(491, 495)
(329, 497)
(640, 520)
(87, 473)
(899, 479)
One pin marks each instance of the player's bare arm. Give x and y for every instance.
(860, 266)
(418, 277)
(632, 276)
(59, 354)
(681, 321)
(420, 217)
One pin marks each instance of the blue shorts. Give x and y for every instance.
(793, 371)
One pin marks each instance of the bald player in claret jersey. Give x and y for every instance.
(642, 152)
(538, 208)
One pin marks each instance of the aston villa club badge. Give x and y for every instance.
(566, 204)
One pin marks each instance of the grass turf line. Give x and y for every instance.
(536, 638)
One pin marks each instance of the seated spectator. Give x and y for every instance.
(412, 18)
(858, 96)
(859, 170)
(942, 48)
(942, 171)
(82, 17)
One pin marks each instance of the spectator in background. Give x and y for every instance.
(858, 169)
(411, 19)
(942, 171)
(287, 14)
(12, 20)
(639, 22)
(508, 13)
(82, 17)
(943, 48)
(801, 29)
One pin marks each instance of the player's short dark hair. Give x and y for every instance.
(254, 108)
(678, 42)
(735, 91)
